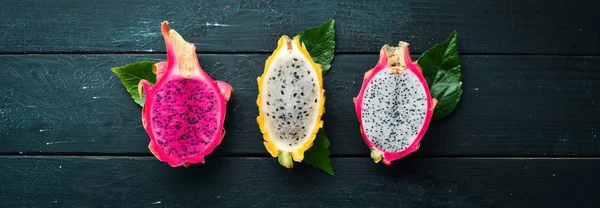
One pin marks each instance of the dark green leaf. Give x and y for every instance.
(442, 70)
(130, 76)
(318, 154)
(320, 43)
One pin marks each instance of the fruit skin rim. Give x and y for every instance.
(298, 154)
(388, 157)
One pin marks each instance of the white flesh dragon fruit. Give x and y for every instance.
(290, 101)
(394, 105)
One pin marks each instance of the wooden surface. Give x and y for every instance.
(499, 27)
(75, 181)
(525, 133)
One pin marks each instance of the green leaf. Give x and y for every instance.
(442, 71)
(318, 154)
(130, 76)
(320, 43)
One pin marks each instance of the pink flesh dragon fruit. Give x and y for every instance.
(185, 110)
(394, 106)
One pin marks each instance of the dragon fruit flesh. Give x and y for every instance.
(290, 101)
(185, 110)
(394, 105)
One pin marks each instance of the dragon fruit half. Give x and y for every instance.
(185, 110)
(290, 101)
(394, 105)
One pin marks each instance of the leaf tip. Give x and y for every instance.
(330, 172)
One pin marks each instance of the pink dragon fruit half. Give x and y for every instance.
(394, 105)
(185, 110)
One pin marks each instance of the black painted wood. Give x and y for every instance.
(514, 26)
(512, 106)
(519, 105)
(249, 182)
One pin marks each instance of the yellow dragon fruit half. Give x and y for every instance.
(290, 101)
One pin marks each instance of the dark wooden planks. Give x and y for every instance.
(522, 27)
(512, 105)
(434, 182)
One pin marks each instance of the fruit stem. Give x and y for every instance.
(376, 155)
(285, 159)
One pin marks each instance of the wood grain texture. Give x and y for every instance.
(514, 26)
(511, 106)
(249, 182)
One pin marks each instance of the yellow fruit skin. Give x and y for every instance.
(283, 45)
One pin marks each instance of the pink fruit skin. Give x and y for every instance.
(168, 71)
(388, 157)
